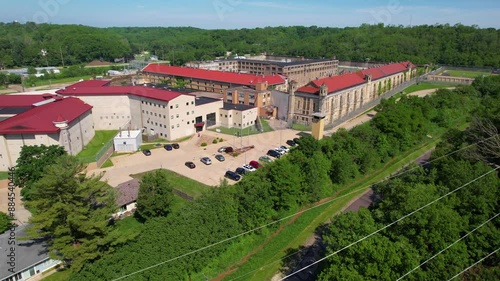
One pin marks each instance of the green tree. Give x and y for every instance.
(5, 222)
(155, 195)
(72, 211)
(31, 70)
(31, 164)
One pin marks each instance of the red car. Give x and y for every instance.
(255, 164)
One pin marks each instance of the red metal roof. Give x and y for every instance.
(92, 83)
(20, 101)
(345, 81)
(141, 91)
(214, 75)
(40, 120)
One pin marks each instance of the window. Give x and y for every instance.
(101, 117)
(164, 106)
(143, 111)
(226, 116)
(161, 134)
(165, 116)
(171, 107)
(156, 123)
(173, 126)
(192, 103)
(147, 121)
(188, 122)
(177, 116)
(147, 112)
(176, 106)
(230, 115)
(220, 115)
(156, 115)
(187, 103)
(142, 101)
(188, 113)
(178, 125)
(171, 117)
(192, 112)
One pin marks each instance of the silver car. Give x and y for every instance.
(206, 161)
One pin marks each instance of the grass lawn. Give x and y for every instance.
(426, 86)
(237, 131)
(265, 125)
(301, 127)
(59, 81)
(4, 175)
(182, 183)
(62, 275)
(128, 228)
(107, 164)
(468, 74)
(87, 155)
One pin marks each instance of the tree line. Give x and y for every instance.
(458, 45)
(316, 169)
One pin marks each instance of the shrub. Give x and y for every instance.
(221, 140)
(236, 154)
(214, 141)
(204, 144)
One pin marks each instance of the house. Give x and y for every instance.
(127, 197)
(31, 257)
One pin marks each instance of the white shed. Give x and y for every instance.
(128, 141)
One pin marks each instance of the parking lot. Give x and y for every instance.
(210, 175)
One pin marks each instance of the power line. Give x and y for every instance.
(389, 225)
(449, 246)
(474, 264)
(355, 190)
(293, 215)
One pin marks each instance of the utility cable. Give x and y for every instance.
(449, 246)
(389, 225)
(292, 215)
(473, 264)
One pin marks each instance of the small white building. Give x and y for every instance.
(128, 141)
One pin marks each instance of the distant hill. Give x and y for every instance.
(458, 45)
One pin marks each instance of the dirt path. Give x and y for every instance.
(21, 214)
(424, 93)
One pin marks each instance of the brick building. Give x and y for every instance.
(337, 96)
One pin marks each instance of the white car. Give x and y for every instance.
(284, 148)
(280, 151)
(206, 160)
(249, 168)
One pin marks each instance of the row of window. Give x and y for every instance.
(164, 116)
(114, 117)
(159, 105)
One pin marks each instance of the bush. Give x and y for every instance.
(221, 140)
(236, 154)
(5, 222)
(214, 141)
(203, 144)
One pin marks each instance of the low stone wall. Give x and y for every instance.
(450, 79)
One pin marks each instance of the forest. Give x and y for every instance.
(317, 169)
(457, 45)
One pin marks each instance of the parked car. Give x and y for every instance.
(229, 149)
(284, 148)
(249, 168)
(291, 143)
(296, 140)
(220, 157)
(206, 161)
(241, 171)
(280, 151)
(273, 153)
(254, 164)
(168, 147)
(232, 175)
(222, 149)
(176, 146)
(265, 159)
(190, 165)
(147, 152)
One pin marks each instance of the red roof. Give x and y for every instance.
(92, 83)
(19, 101)
(345, 81)
(83, 89)
(214, 75)
(40, 119)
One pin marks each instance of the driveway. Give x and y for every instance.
(174, 160)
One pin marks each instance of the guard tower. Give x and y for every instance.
(318, 125)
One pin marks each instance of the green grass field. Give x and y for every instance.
(301, 127)
(4, 175)
(182, 183)
(426, 86)
(468, 74)
(40, 82)
(87, 155)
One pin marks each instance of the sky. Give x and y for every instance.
(236, 14)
